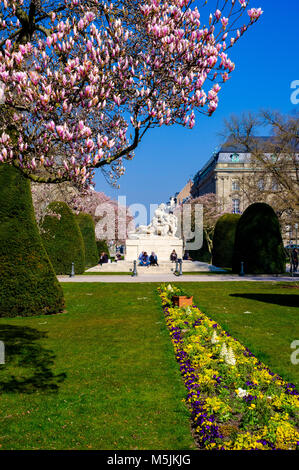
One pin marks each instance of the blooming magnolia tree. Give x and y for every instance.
(83, 81)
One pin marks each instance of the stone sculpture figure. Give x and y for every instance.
(163, 224)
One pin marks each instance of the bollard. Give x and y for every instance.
(292, 268)
(242, 269)
(73, 270)
(2, 353)
(134, 273)
(181, 267)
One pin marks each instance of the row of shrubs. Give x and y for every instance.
(68, 238)
(253, 238)
(29, 258)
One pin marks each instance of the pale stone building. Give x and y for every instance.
(184, 194)
(222, 175)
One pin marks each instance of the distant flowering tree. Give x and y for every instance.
(113, 220)
(118, 219)
(83, 81)
(211, 210)
(44, 194)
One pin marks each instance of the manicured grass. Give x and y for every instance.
(264, 316)
(100, 376)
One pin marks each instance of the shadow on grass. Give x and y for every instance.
(286, 300)
(27, 367)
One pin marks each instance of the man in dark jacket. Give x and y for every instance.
(103, 258)
(294, 260)
(153, 259)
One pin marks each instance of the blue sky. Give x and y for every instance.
(267, 61)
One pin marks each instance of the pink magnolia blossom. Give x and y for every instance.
(224, 22)
(255, 13)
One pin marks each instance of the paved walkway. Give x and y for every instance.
(173, 278)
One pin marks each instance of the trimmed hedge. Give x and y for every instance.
(87, 227)
(102, 246)
(62, 239)
(28, 285)
(258, 242)
(224, 240)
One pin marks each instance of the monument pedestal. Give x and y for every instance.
(162, 246)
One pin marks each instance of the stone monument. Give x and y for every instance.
(159, 236)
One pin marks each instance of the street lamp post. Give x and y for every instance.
(296, 228)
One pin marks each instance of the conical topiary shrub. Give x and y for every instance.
(224, 240)
(28, 285)
(62, 239)
(258, 242)
(87, 228)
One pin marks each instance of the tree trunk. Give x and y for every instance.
(28, 284)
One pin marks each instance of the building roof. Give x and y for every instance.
(231, 152)
(228, 149)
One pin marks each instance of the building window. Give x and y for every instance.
(235, 185)
(274, 185)
(236, 206)
(261, 184)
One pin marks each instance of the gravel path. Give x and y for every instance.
(173, 278)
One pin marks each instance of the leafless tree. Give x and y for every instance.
(274, 161)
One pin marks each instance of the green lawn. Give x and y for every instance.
(100, 376)
(264, 316)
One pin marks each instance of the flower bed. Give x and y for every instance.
(236, 402)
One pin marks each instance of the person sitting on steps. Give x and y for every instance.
(144, 259)
(153, 259)
(173, 256)
(103, 258)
